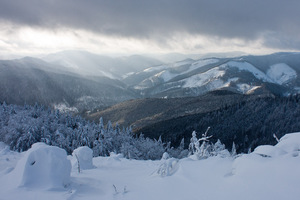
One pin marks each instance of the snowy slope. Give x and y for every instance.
(198, 80)
(281, 73)
(270, 172)
(165, 73)
(245, 66)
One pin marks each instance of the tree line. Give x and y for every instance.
(22, 126)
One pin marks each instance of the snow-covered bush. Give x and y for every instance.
(84, 157)
(43, 166)
(178, 152)
(205, 149)
(218, 149)
(168, 166)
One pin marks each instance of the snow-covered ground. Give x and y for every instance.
(269, 172)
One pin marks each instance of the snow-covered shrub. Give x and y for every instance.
(165, 156)
(200, 151)
(178, 152)
(205, 149)
(168, 166)
(233, 150)
(43, 166)
(194, 147)
(84, 155)
(218, 149)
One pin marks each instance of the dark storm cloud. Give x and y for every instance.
(159, 19)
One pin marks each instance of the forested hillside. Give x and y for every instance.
(248, 123)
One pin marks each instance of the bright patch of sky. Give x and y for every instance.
(27, 41)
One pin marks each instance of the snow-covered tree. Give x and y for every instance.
(21, 126)
(194, 147)
(203, 150)
(233, 149)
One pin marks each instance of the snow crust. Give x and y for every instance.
(270, 172)
(281, 73)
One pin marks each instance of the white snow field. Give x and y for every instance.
(269, 172)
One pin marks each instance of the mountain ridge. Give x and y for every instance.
(276, 74)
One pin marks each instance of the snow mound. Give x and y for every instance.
(85, 157)
(168, 166)
(43, 166)
(8, 159)
(269, 151)
(290, 143)
(281, 73)
(115, 157)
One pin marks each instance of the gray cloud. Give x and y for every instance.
(160, 19)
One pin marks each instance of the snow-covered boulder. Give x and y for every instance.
(43, 166)
(85, 156)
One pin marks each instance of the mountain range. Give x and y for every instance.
(276, 74)
(79, 80)
(158, 98)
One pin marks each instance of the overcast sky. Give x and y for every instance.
(149, 26)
